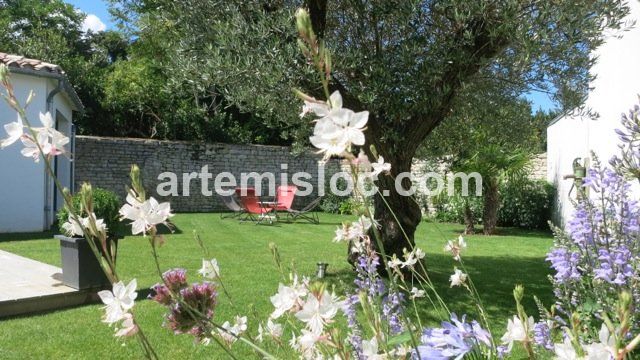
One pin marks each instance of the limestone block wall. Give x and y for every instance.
(105, 162)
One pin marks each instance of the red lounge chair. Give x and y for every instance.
(253, 206)
(307, 213)
(284, 198)
(231, 202)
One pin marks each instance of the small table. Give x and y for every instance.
(269, 205)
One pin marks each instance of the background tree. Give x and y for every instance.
(494, 134)
(407, 62)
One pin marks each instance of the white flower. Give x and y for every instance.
(118, 302)
(286, 298)
(58, 141)
(342, 233)
(306, 343)
(338, 128)
(362, 162)
(210, 269)
(370, 350)
(72, 228)
(456, 247)
(380, 167)
(128, 327)
(226, 334)
(603, 350)
(47, 139)
(230, 333)
(317, 312)
(458, 278)
(145, 215)
(322, 109)
(516, 331)
(272, 329)
(565, 350)
(15, 130)
(411, 258)
(394, 263)
(47, 120)
(359, 228)
(417, 293)
(329, 138)
(31, 147)
(598, 351)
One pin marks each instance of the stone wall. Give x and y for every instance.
(539, 167)
(105, 162)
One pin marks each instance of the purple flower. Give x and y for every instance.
(176, 279)
(392, 310)
(565, 263)
(542, 335)
(189, 316)
(614, 266)
(454, 339)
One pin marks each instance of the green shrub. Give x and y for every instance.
(526, 204)
(333, 203)
(106, 205)
(451, 208)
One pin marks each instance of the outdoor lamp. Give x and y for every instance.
(322, 270)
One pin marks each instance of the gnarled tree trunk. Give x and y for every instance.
(491, 197)
(395, 235)
(469, 220)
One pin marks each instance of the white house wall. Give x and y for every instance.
(21, 180)
(60, 104)
(615, 91)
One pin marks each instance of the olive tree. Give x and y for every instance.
(409, 63)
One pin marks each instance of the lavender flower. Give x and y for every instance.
(454, 339)
(599, 253)
(542, 335)
(392, 311)
(565, 263)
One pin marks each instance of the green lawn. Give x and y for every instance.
(495, 264)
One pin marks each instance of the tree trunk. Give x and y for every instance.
(491, 204)
(469, 221)
(395, 235)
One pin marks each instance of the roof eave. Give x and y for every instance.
(68, 89)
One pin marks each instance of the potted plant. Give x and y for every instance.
(80, 267)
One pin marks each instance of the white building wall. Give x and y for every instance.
(615, 91)
(62, 113)
(21, 179)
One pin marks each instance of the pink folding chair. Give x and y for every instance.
(285, 195)
(253, 206)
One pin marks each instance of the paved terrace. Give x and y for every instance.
(28, 286)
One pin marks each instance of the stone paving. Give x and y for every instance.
(29, 286)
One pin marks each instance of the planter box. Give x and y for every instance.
(80, 268)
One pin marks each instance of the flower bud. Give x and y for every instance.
(4, 71)
(303, 23)
(518, 293)
(136, 182)
(30, 98)
(86, 196)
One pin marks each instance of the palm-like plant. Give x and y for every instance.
(496, 164)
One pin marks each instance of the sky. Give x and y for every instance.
(98, 19)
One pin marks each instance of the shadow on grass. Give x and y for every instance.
(47, 235)
(493, 276)
(501, 231)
